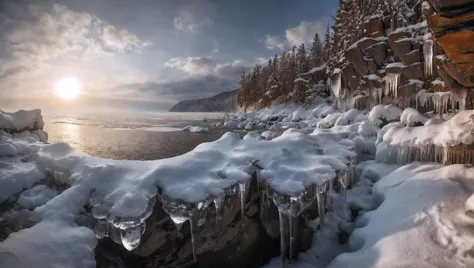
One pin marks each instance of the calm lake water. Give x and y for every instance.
(138, 137)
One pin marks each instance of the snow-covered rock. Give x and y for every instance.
(21, 120)
(381, 115)
(411, 117)
(196, 129)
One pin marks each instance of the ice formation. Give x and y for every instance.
(196, 129)
(428, 56)
(294, 170)
(391, 84)
(428, 143)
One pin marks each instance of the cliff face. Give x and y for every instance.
(413, 53)
(222, 102)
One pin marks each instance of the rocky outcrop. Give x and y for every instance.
(222, 102)
(453, 28)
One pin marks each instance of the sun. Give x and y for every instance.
(68, 88)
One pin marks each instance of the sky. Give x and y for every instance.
(143, 55)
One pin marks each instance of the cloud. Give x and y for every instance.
(194, 15)
(273, 42)
(303, 33)
(187, 22)
(233, 69)
(35, 35)
(193, 65)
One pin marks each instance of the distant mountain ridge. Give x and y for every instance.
(222, 102)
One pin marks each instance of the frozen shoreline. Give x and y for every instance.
(122, 193)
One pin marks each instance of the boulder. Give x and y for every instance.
(371, 65)
(408, 90)
(374, 27)
(378, 52)
(400, 43)
(364, 43)
(411, 57)
(350, 79)
(356, 57)
(413, 71)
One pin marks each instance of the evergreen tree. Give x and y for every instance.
(327, 45)
(302, 60)
(316, 52)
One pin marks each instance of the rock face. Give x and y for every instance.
(403, 52)
(234, 241)
(452, 25)
(222, 102)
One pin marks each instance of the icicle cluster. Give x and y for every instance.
(402, 155)
(428, 56)
(440, 101)
(122, 230)
(391, 84)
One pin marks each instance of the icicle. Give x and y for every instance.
(322, 196)
(178, 222)
(101, 229)
(462, 104)
(293, 222)
(445, 155)
(428, 55)
(283, 240)
(131, 237)
(391, 84)
(194, 227)
(218, 201)
(243, 189)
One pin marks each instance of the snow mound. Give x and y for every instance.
(383, 114)
(411, 117)
(420, 222)
(22, 119)
(196, 129)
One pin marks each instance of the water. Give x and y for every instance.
(133, 137)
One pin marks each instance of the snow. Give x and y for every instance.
(21, 119)
(420, 221)
(196, 129)
(411, 117)
(317, 69)
(395, 65)
(387, 113)
(419, 206)
(457, 130)
(36, 196)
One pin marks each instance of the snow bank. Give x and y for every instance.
(196, 129)
(457, 130)
(20, 120)
(420, 222)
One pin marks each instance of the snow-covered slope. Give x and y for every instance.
(222, 102)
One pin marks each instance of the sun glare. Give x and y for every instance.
(68, 88)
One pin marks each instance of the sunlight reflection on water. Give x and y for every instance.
(137, 139)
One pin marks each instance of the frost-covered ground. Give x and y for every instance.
(412, 216)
